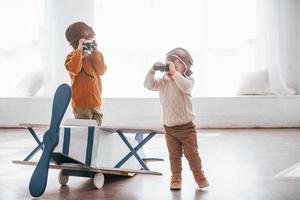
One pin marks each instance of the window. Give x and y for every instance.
(21, 23)
(134, 34)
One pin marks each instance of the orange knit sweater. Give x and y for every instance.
(85, 78)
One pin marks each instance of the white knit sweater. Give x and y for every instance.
(175, 97)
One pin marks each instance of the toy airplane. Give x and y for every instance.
(96, 160)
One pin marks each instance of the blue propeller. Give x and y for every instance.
(38, 181)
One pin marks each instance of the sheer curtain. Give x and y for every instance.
(20, 49)
(277, 44)
(58, 16)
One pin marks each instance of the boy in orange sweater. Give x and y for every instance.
(85, 70)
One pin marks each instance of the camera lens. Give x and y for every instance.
(162, 68)
(165, 67)
(88, 46)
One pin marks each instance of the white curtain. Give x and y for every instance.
(277, 44)
(58, 16)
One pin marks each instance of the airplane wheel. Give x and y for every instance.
(99, 180)
(63, 180)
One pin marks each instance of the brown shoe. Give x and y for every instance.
(201, 180)
(202, 183)
(175, 184)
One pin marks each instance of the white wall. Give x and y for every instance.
(211, 112)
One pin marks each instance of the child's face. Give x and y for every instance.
(179, 66)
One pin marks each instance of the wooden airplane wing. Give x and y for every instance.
(104, 170)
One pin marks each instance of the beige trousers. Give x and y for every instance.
(88, 113)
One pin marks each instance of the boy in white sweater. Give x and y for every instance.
(175, 96)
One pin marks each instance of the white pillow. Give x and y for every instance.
(254, 83)
(30, 84)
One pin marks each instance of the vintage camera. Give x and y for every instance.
(162, 68)
(89, 46)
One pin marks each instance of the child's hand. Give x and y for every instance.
(172, 69)
(81, 41)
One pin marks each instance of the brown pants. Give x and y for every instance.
(183, 139)
(88, 113)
